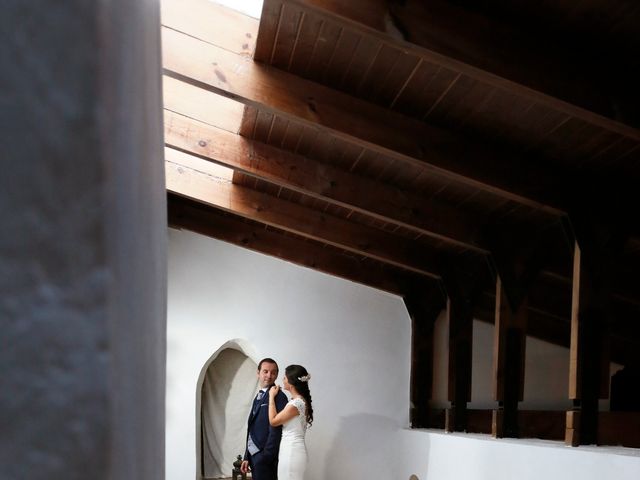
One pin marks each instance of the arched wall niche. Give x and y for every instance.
(224, 392)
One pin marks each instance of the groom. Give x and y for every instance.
(263, 440)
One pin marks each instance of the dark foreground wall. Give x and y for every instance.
(82, 241)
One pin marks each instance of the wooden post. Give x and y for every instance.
(460, 351)
(508, 364)
(464, 284)
(589, 359)
(423, 303)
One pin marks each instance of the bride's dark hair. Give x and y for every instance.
(298, 376)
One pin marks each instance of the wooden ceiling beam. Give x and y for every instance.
(380, 201)
(189, 215)
(185, 177)
(193, 102)
(445, 154)
(486, 50)
(213, 23)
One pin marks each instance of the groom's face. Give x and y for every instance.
(267, 374)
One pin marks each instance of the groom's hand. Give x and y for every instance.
(244, 467)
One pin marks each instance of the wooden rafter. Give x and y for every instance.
(185, 177)
(321, 181)
(201, 219)
(371, 127)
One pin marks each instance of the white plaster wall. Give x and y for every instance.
(354, 340)
(546, 382)
(434, 455)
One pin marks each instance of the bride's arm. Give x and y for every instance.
(283, 416)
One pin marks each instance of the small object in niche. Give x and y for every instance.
(237, 474)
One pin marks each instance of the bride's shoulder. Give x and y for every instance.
(298, 403)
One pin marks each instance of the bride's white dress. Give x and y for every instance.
(292, 460)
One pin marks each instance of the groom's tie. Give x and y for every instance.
(256, 403)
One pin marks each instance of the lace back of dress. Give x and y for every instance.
(300, 404)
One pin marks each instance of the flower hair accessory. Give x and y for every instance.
(305, 378)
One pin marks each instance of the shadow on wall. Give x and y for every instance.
(224, 393)
(365, 443)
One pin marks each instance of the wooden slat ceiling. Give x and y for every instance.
(390, 143)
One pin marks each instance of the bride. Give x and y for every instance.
(295, 417)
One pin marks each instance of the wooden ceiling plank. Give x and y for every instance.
(402, 72)
(329, 35)
(212, 23)
(449, 84)
(292, 137)
(343, 14)
(592, 141)
(306, 141)
(624, 157)
(184, 214)
(362, 57)
(264, 124)
(367, 164)
(536, 123)
(507, 122)
(405, 176)
(249, 122)
(268, 32)
(305, 43)
(278, 131)
(386, 171)
(288, 32)
(353, 120)
(384, 63)
(569, 137)
(319, 150)
(380, 201)
(408, 80)
(188, 182)
(209, 108)
(350, 155)
(610, 150)
(542, 142)
(458, 105)
(341, 58)
(419, 90)
(480, 99)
